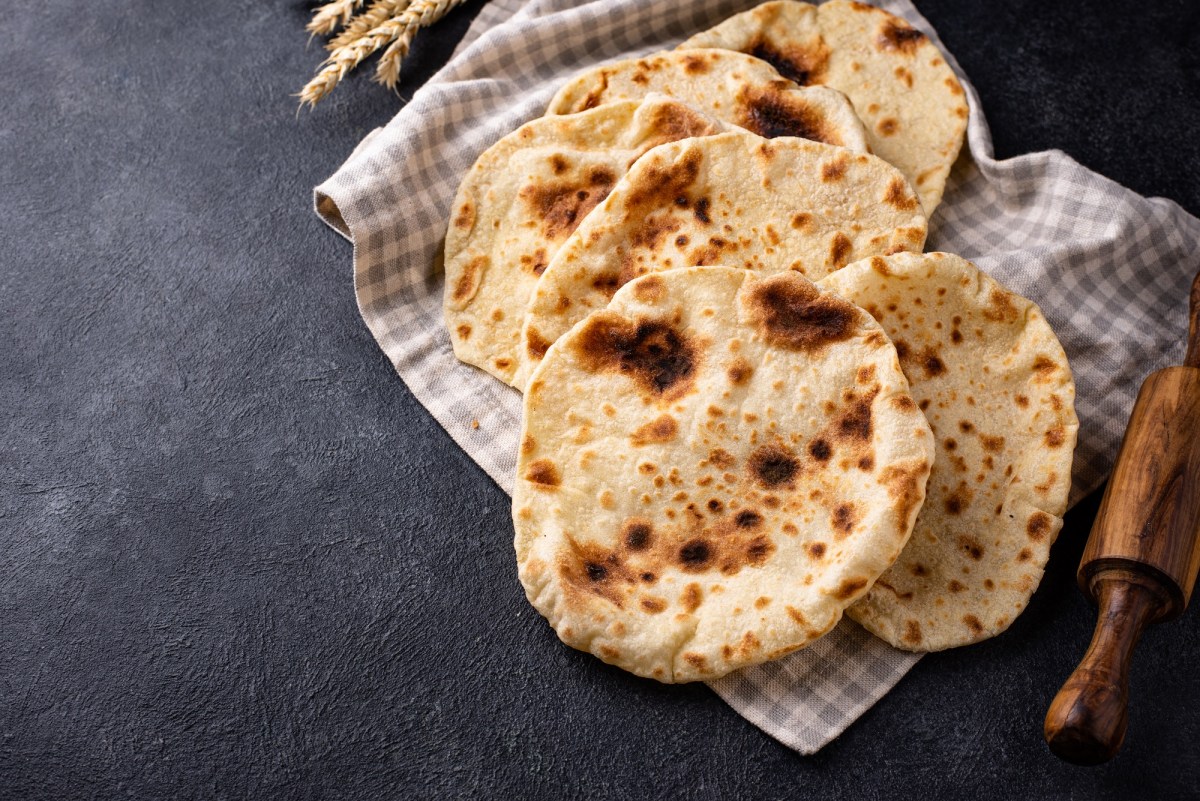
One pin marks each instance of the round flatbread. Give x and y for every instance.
(734, 199)
(995, 384)
(914, 108)
(712, 469)
(733, 87)
(525, 195)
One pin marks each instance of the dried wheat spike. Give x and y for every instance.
(344, 59)
(329, 17)
(420, 14)
(377, 13)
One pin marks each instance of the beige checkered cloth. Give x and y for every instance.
(1109, 268)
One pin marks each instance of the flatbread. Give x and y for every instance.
(914, 108)
(734, 199)
(711, 469)
(733, 87)
(997, 389)
(522, 199)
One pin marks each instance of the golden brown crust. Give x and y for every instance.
(732, 199)
(735, 87)
(912, 106)
(524, 197)
(730, 470)
(996, 387)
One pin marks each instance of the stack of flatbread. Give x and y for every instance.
(752, 403)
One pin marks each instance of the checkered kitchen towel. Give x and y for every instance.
(1110, 270)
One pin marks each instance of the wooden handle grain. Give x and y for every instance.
(1086, 723)
(1150, 516)
(1142, 557)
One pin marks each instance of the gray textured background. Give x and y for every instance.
(239, 560)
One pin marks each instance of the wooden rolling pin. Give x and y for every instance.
(1141, 559)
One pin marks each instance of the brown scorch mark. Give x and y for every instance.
(562, 205)
(899, 196)
(637, 534)
(773, 466)
(1039, 526)
(468, 282)
(772, 112)
(536, 344)
(803, 65)
(898, 37)
(739, 371)
(659, 358)
(660, 430)
(543, 473)
(794, 314)
(671, 122)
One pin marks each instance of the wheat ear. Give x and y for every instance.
(419, 14)
(377, 13)
(344, 59)
(329, 17)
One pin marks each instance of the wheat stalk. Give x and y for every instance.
(385, 22)
(346, 58)
(420, 14)
(330, 16)
(379, 12)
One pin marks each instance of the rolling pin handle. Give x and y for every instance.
(1086, 723)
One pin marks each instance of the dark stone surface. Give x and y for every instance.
(241, 561)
